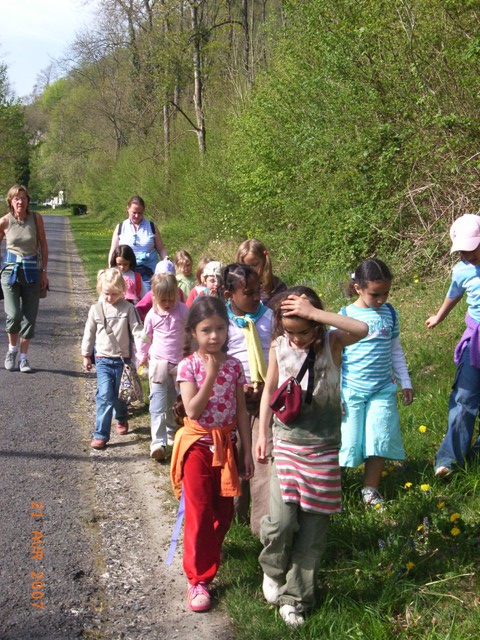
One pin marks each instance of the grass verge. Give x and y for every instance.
(410, 571)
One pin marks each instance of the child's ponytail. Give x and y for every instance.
(370, 270)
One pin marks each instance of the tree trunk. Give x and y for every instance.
(198, 82)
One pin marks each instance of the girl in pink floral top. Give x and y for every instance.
(204, 458)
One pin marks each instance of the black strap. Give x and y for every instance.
(308, 363)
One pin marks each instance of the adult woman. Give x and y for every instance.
(144, 238)
(21, 277)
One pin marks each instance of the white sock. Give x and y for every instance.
(23, 356)
(12, 349)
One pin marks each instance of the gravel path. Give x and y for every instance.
(85, 533)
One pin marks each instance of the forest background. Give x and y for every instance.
(332, 130)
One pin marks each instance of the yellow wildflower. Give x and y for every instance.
(378, 505)
(420, 527)
(425, 487)
(409, 566)
(440, 505)
(407, 485)
(422, 428)
(455, 531)
(384, 473)
(454, 517)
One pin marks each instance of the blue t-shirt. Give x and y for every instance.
(466, 278)
(367, 364)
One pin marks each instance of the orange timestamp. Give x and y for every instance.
(37, 583)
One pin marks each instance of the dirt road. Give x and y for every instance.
(84, 534)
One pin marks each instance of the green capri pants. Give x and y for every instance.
(294, 542)
(21, 304)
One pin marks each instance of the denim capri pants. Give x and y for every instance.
(370, 426)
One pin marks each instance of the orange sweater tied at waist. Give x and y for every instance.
(223, 455)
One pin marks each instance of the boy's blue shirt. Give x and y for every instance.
(466, 279)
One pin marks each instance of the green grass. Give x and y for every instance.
(400, 573)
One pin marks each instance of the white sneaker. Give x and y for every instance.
(159, 453)
(443, 472)
(270, 588)
(10, 359)
(291, 616)
(372, 497)
(24, 366)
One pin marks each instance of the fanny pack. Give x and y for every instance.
(286, 402)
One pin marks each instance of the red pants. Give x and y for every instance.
(208, 515)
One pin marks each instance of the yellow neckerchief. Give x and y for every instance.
(223, 455)
(256, 359)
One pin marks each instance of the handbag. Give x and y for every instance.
(43, 289)
(130, 390)
(286, 402)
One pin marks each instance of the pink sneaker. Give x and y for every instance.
(198, 597)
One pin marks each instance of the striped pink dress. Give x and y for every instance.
(306, 450)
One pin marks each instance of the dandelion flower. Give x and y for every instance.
(422, 428)
(409, 566)
(454, 517)
(425, 487)
(440, 505)
(407, 485)
(455, 531)
(420, 527)
(378, 506)
(384, 474)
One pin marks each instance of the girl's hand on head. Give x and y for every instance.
(407, 396)
(297, 306)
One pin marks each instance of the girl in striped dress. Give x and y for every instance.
(305, 485)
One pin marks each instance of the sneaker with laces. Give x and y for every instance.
(24, 366)
(270, 588)
(122, 428)
(198, 597)
(10, 360)
(371, 497)
(291, 616)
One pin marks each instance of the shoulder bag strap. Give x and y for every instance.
(308, 363)
(39, 248)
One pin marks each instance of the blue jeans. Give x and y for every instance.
(109, 374)
(456, 447)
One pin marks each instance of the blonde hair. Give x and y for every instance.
(180, 258)
(14, 191)
(259, 250)
(112, 280)
(164, 285)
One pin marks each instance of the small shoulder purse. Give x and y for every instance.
(286, 402)
(131, 390)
